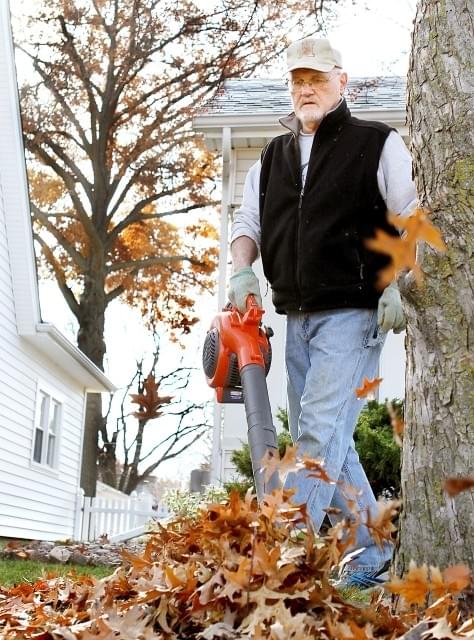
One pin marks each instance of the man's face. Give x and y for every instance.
(314, 93)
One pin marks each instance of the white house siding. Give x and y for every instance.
(243, 159)
(35, 502)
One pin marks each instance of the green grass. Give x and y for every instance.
(355, 596)
(13, 572)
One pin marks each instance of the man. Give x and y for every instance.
(310, 202)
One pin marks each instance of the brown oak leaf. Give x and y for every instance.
(149, 401)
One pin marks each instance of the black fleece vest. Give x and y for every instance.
(312, 243)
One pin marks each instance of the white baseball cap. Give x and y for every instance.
(312, 53)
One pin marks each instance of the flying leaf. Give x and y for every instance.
(418, 227)
(453, 485)
(272, 463)
(368, 387)
(457, 577)
(402, 252)
(414, 586)
(381, 524)
(148, 400)
(316, 469)
(397, 422)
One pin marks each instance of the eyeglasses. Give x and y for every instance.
(316, 82)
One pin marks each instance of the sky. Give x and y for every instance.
(374, 39)
(374, 36)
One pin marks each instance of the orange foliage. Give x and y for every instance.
(398, 424)
(234, 571)
(368, 387)
(402, 251)
(453, 486)
(116, 171)
(419, 583)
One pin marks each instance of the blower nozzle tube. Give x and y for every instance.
(261, 432)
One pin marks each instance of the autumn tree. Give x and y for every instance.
(107, 124)
(435, 527)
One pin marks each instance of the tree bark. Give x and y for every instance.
(439, 435)
(90, 341)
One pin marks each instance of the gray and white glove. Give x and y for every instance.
(241, 284)
(390, 312)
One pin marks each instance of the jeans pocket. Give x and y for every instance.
(375, 336)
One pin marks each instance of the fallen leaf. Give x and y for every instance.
(440, 631)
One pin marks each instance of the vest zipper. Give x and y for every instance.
(298, 281)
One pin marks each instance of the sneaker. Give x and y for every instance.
(360, 579)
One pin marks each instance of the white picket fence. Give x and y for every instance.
(118, 519)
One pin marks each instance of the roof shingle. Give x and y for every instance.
(263, 96)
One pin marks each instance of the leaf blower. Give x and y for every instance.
(236, 359)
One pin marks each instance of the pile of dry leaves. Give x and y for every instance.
(236, 571)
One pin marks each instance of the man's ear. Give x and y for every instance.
(343, 82)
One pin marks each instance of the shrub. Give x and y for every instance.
(241, 486)
(378, 451)
(373, 437)
(241, 457)
(185, 504)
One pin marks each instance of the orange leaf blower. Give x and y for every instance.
(236, 360)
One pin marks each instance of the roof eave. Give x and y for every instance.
(267, 125)
(51, 342)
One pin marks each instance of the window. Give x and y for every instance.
(47, 424)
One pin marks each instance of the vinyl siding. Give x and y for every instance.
(243, 159)
(35, 502)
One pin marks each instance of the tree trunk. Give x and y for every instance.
(439, 433)
(90, 341)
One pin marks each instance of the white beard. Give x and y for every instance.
(310, 117)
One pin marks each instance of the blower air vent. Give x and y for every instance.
(210, 353)
(234, 373)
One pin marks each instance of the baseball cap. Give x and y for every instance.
(312, 53)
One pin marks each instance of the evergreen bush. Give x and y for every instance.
(373, 437)
(378, 451)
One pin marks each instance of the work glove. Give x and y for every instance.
(390, 313)
(243, 283)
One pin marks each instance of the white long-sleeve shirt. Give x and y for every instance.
(394, 179)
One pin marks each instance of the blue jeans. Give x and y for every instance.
(328, 353)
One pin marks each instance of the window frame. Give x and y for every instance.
(53, 399)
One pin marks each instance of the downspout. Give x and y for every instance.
(217, 462)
